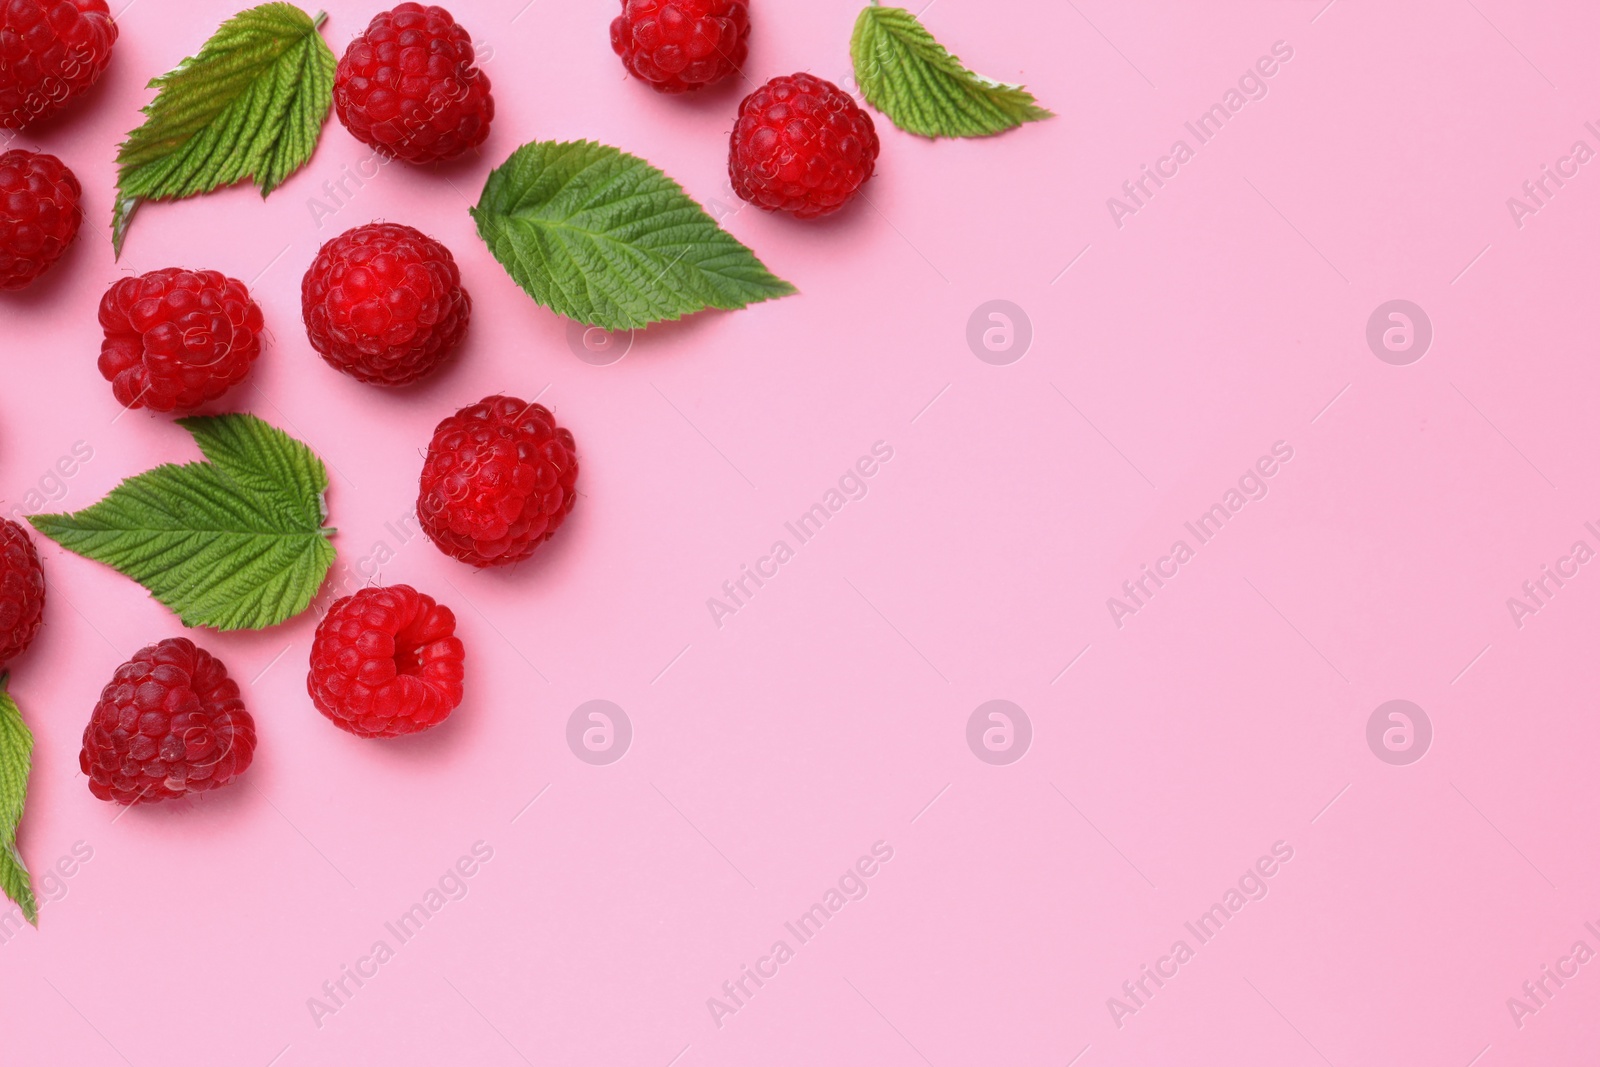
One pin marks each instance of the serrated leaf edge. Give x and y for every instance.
(55, 524)
(12, 866)
(1034, 112)
(483, 218)
(124, 207)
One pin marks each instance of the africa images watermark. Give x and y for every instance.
(1251, 86)
(1252, 886)
(1252, 485)
(1537, 192)
(451, 886)
(344, 580)
(51, 486)
(851, 885)
(1537, 592)
(1537, 992)
(52, 887)
(51, 91)
(737, 592)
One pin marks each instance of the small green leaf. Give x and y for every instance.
(602, 237)
(16, 758)
(250, 105)
(234, 543)
(907, 75)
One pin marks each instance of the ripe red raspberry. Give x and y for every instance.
(386, 662)
(384, 303)
(801, 145)
(408, 86)
(177, 338)
(169, 723)
(51, 51)
(39, 215)
(497, 482)
(21, 591)
(679, 45)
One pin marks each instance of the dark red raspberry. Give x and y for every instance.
(386, 662)
(170, 723)
(39, 215)
(51, 51)
(384, 303)
(498, 481)
(679, 45)
(408, 86)
(21, 591)
(801, 145)
(177, 338)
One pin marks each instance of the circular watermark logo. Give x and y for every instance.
(1399, 732)
(1399, 332)
(597, 347)
(999, 732)
(999, 332)
(599, 732)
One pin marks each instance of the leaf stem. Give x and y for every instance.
(318, 19)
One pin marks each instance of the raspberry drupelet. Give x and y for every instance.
(801, 145)
(677, 46)
(39, 215)
(177, 338)
(384, 303)
(51, 53)
(386, 662)
(21, 591)
(169, 723)
(408, 85)
(498, 481)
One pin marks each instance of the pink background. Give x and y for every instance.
(830, 712)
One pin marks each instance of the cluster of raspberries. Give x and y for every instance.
(384, 304)
(800, 144)
(409, 86)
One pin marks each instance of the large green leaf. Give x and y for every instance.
(233, 543)
(602, 237)
(250, 105)
(910, 77)
(16, 758)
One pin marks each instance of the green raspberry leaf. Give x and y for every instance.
(250, 105)
(234, 543)
(907, 75)
(602, 237)
(16, 759)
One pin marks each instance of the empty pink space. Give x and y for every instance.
(1134, 605)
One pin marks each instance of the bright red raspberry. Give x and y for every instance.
(39, 215)
(21, 591)
(801, 145)
(51, 51)
(384, 303)
(498, 481)
(678, 45)
(386, 662)
(177, 338)
(408, 86)
(169, 723)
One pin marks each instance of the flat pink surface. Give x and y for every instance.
(829, 714)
